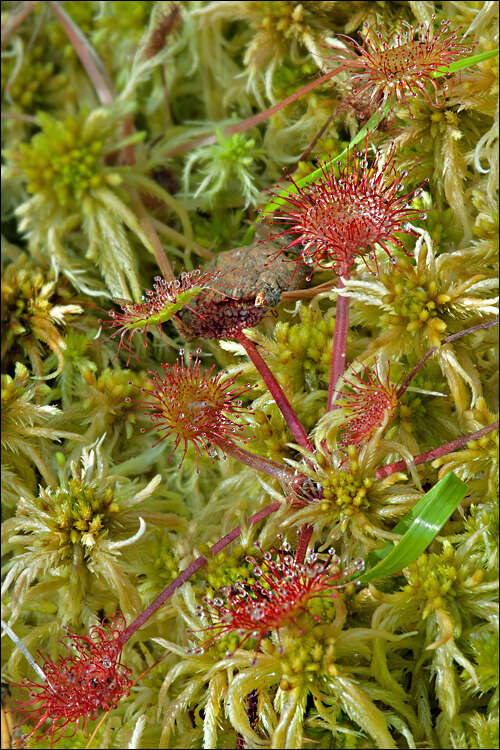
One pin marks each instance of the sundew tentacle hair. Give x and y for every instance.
(282, 592)
(77, 687)
(199, 407)
(338, 218)
(403, 66)
(369, 405)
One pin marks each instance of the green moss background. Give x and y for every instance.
(92, 182)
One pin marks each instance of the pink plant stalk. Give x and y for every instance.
(282, 590)
(303, 539)
(441, 450)
(296, 427)
(91, 679)
(278, 471)
(394, 69)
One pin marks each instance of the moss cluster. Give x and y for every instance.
(61, 160)
(79, 512)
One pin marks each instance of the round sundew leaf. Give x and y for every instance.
(157, 306)
(419, 527)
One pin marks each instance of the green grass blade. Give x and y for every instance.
(419, 527)
(465, 62)
(372, 123)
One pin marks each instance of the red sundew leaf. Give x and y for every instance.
(282, 590)
(158, 305)
(372, 402)
(91, 679)
(197, 406)
(394, 69)
(340, 217)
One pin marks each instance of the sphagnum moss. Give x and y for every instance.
(127, 122)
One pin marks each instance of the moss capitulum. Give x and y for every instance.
(345, 493)
(435, 579)
(63, 162)
(416, 302)
(80, 511)
(306, 657)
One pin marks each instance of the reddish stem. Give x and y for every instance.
(88, 56)
(254, 120)
(15, 18)
(434, 349)
(148, 228)
(192, 569)
(259, 463)
(305, 535)
(292, 420)
(441, 450)
(339, 343)
(314, 141)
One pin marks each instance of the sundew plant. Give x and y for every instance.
(250, 374)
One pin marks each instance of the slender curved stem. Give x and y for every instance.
(192, 569)
(88, 56)
(296, 427)
(434, 349)
(254, 120)
(22, 12)
(148, 229)
(339, 347)
(259, 463)
(441, 450)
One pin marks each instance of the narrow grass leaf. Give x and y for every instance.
(419, 527)
(465, 62)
